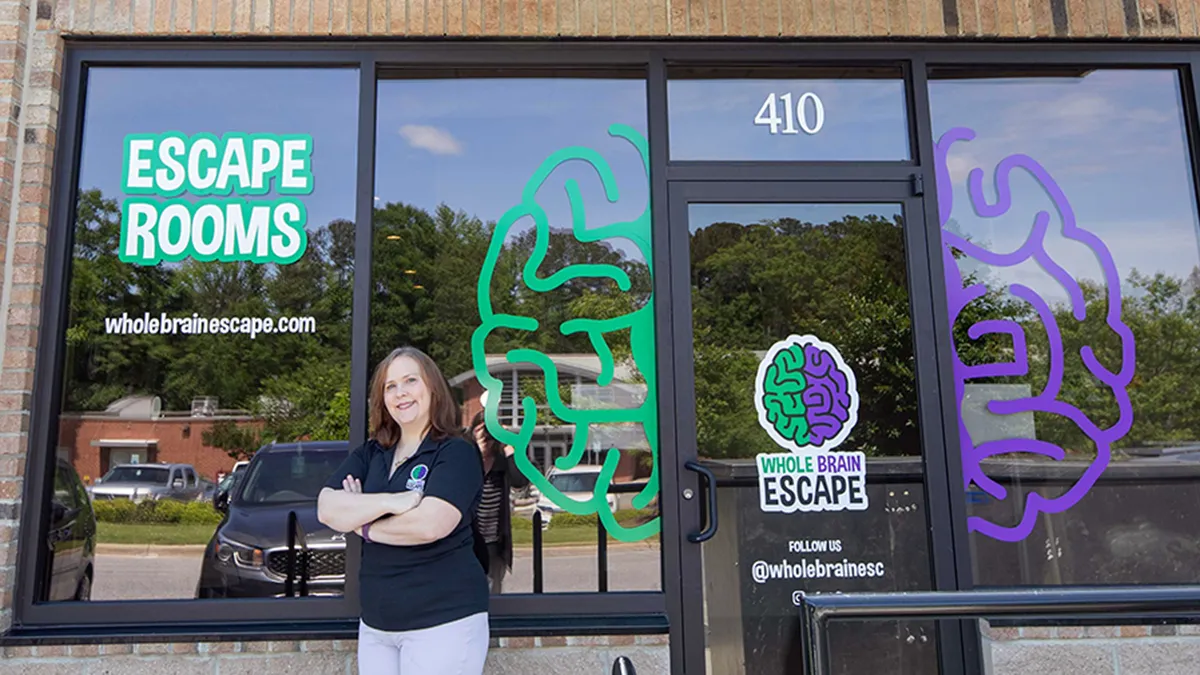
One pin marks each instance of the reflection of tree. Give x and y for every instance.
(102, 368)
(844, 282)
(294, 381)
(751, 285)
(1164, 314)
(425, 269)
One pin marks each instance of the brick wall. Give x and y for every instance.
(1094, 650)
(31, 49)
(30, 65)
(601, 18)
(323, 657)
(179, 441)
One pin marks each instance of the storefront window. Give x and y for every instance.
(1072, 270)
(512, 243)
(788, 114)
(207, 354)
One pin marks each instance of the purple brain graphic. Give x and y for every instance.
(960, 294)
(826, 396)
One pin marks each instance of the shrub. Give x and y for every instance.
(200, 513)
(635, 517)
(165, 511)
(156, 512)
(114, 510)
(626, 517)
(563, 520)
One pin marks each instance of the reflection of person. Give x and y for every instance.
(410, 492)
(494, 518)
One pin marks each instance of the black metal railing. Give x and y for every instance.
(623, 666)
(601, 543)
(1110, 605)
(297, 558)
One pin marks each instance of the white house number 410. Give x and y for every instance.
(808, 111)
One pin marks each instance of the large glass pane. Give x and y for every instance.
(788, 114)
(803, 354)
(208, 332)
(512, 243)
(1072, 265)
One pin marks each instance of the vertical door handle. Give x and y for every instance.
(710, 492)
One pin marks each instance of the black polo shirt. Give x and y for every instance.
(414, 587)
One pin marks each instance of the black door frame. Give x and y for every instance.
(958, 641)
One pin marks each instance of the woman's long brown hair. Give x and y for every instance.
(494, 449)
(443, 412)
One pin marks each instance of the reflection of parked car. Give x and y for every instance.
(247, 556)
(224, 489)
(71, 537)
(149, 481)
(577, 483)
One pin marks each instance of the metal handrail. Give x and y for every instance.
(601, 543)
(1112, 604)
(297, 562)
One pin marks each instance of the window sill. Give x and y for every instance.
(501, 627)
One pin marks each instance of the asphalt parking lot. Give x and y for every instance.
(171, 572)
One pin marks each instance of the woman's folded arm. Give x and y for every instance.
(431, 520)
(346, 511)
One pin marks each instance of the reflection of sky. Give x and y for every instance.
(1115, 143)
(320, 102)
(701, 216)
(865, 120)
(472, 144)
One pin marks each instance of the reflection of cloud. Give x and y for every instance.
(435, 140)
(1149, 247)
(1108, 122)
(509, 98)
(1116, 142)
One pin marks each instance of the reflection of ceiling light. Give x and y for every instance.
(418, 286)
(410, 271)
(393, 237)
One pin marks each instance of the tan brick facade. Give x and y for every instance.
(619, 18)
(31, 54)
(321, 657)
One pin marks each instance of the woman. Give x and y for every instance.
(410, 492)
(494, 518)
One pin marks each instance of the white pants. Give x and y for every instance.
(455, 648)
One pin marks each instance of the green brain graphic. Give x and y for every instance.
(783, 385)
(600, 333)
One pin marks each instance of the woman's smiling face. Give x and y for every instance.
(406, 393)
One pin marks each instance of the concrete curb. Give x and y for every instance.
(150, 550)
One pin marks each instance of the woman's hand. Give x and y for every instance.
(403, 502)
(397, 502)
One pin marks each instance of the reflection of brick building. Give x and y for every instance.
(134, 429)
(578, 373)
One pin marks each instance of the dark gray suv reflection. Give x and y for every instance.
(247, 556)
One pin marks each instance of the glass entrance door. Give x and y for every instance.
(801, 396)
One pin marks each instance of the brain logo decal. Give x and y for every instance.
(961, 293)
(639, 323)
(806, 395)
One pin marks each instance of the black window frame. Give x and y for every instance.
(550, 614)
